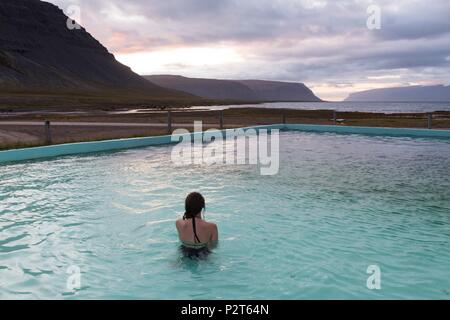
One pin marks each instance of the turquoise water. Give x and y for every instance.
(338, 204)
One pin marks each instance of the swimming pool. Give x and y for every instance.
(339, 204)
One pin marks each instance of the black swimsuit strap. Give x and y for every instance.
(196, 239)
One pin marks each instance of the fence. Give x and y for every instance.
(285, 115)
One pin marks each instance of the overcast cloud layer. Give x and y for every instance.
(325, 44)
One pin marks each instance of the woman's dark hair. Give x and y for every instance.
(193, 205)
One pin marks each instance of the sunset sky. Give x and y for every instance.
(325, 44)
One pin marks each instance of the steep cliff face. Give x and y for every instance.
(250, 90)
(38, 52)
(280, 91)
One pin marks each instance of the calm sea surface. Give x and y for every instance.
(386, 107)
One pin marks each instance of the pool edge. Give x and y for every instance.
(381, 131)
(42, 152)
(34, 153)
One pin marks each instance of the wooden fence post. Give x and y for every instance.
(169, 122)
(221, 119)
(48, 133)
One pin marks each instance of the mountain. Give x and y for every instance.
(280, 91)
(206, 88)
(250, 90)
(438, 93)
(40, 54)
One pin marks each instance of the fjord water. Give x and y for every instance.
(383, 107)
(339, 204)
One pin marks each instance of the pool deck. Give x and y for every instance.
(50, 151)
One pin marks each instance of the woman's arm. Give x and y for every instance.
(214, 236)
(215, 233)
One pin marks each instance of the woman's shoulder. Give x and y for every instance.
(211, 225)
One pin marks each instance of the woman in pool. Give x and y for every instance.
(196, 235)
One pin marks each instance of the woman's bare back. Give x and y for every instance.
(207, 232)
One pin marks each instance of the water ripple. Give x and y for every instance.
(339, 204)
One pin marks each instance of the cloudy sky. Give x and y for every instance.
(325, 44)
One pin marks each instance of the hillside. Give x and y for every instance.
(250, 90)
(39, 54)
(280, 91)
(206, 88)
(437, 93)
